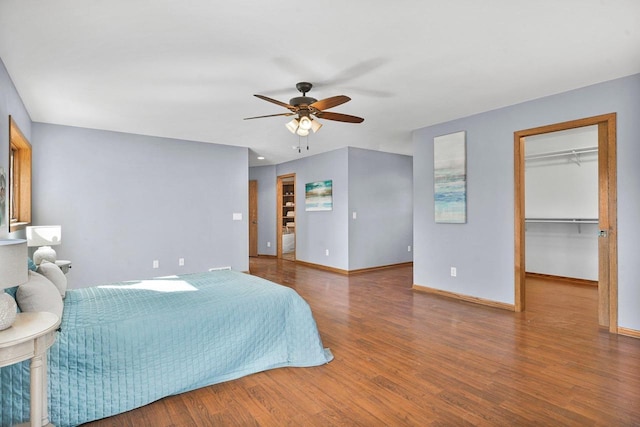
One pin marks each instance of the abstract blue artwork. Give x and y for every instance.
(319, 196)
(450, 178)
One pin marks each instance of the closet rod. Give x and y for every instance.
(564, 220)
(573, 152)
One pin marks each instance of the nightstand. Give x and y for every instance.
(64, 265)
(29, 338)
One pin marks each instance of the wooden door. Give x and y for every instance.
(253, 218)
(607, 214)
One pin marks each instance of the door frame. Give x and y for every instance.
(607, 214)
(279, 206)
(253, 218)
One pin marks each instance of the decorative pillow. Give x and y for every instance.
(32, 265)
(53, 273)
(39, 294)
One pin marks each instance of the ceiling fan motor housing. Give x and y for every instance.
(302, 100)
(303, 87)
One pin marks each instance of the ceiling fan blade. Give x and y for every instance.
(339, 117)
(275, 101)
(334, 101)
(270, 115)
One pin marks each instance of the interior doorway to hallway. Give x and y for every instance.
(286, 226)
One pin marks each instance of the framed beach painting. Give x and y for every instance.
(450, 178)
(318, 196)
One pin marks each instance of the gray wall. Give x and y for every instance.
(317, 232)
(378, 186)
(381, 195)
(125, 200)
(10, 105)
(266, 177)
(483, 249)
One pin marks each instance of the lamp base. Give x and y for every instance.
(44, 253)
(8, 310)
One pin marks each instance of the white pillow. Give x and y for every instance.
(39, 294)
(53, 273)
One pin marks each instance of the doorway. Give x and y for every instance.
(607, 213)
(253, 218)
(286, 217)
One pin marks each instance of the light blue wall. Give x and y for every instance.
(267, 182)
(381, 195)
(318, 231)
(10, 105)
(378, 186)
(483, 249)
(125, 200)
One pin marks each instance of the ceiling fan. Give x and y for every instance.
(306, 108)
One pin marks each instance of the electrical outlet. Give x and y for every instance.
(326, 252)
(454, 272)
(156, 263)
(409, 248)
(268, 244)
(181, 262)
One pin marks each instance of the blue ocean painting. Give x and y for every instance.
(318, 196)
(450, 178)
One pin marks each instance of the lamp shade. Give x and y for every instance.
(44, 235)
(292, 125)
(13, 263)
(305, 123)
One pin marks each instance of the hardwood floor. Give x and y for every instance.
(291, 256)
(408, 358)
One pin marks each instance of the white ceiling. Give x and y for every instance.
(188, 69)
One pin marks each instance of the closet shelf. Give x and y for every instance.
(577, 221)
(564, 220)
(574, 153)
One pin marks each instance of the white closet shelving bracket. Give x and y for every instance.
(576, 158)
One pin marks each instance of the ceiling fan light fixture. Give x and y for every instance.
(306, 108)
(305, 123)
(292, 125)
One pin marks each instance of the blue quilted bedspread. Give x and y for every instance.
(124, 345)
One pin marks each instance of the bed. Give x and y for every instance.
(124, 345)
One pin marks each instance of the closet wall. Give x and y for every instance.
(561, 203)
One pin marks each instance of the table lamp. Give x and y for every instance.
(44, 236)
(13, 272)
